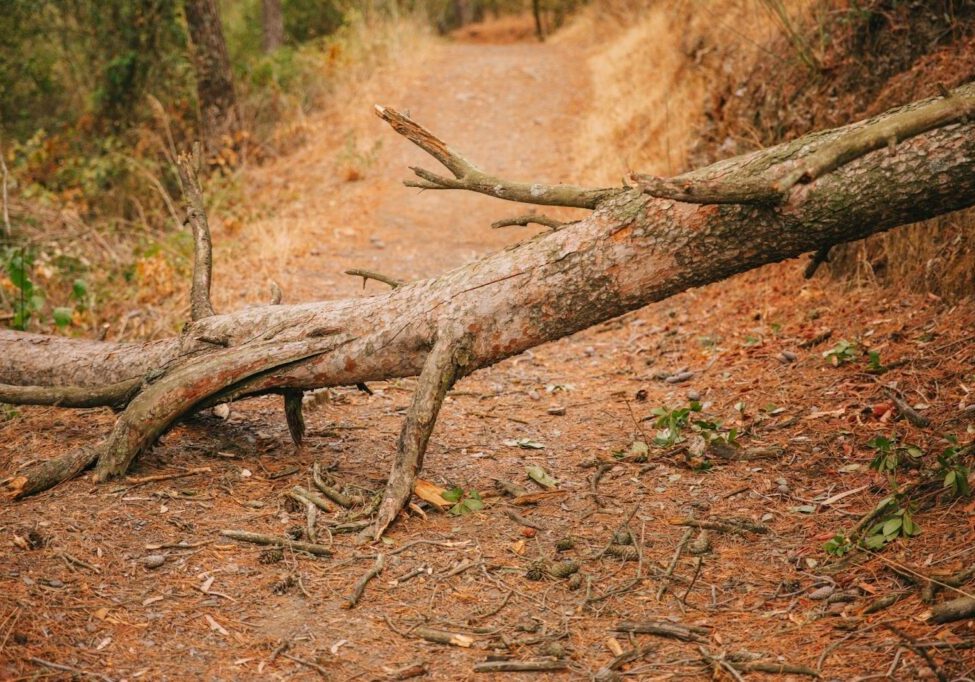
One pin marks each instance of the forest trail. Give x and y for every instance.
(582, 409)
(511, 109)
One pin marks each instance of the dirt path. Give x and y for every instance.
(509, 108)
(75, 588)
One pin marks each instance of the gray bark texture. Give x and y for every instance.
(219, 113)
(272, 25)
(640, 245)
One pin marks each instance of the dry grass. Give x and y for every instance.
(654, 67)
(678, 85)
(273, 218)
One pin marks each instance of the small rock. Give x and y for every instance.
(693, 395)
(556, 411)
(679, 377)
(787, 356)
(222, 411)
(534, 395)
(154, 561)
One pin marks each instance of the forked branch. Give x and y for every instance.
(469, 177)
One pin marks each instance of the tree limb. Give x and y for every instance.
(527, 219)
(196, 216)
(469, 177)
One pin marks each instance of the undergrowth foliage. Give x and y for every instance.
(96, 99)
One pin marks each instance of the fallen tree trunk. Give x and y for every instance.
(643, 243)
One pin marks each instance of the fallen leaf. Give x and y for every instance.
(525, 444)
(542, 477)
(430, 492)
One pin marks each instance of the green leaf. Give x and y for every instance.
(874, 541)
(540, 476)
(473, 504)
(79, 289)
(62, 316)
(453, 495)
(892, 526)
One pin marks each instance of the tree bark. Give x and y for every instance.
(272, 25)
(640, 245)
(219, 113)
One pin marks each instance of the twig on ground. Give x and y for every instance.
(331, 493)
(673, 563)
(908, 412)
(697, 571)
(739, 527)
(273, 541)
(720, 662)
(308, 497)
(911, 644)
(361, 583)
(408, 671)
(521, 520)
(519, 666)
(436, 543)
(443, 637)
(601, 469)
(78, 562)
(308, 664)
(685, 633)
(495, 610)
(133, 482)
(68, 669)
(817, 339)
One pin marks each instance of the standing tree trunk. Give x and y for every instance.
(645, 242)
(219, 114)
(272, 25)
